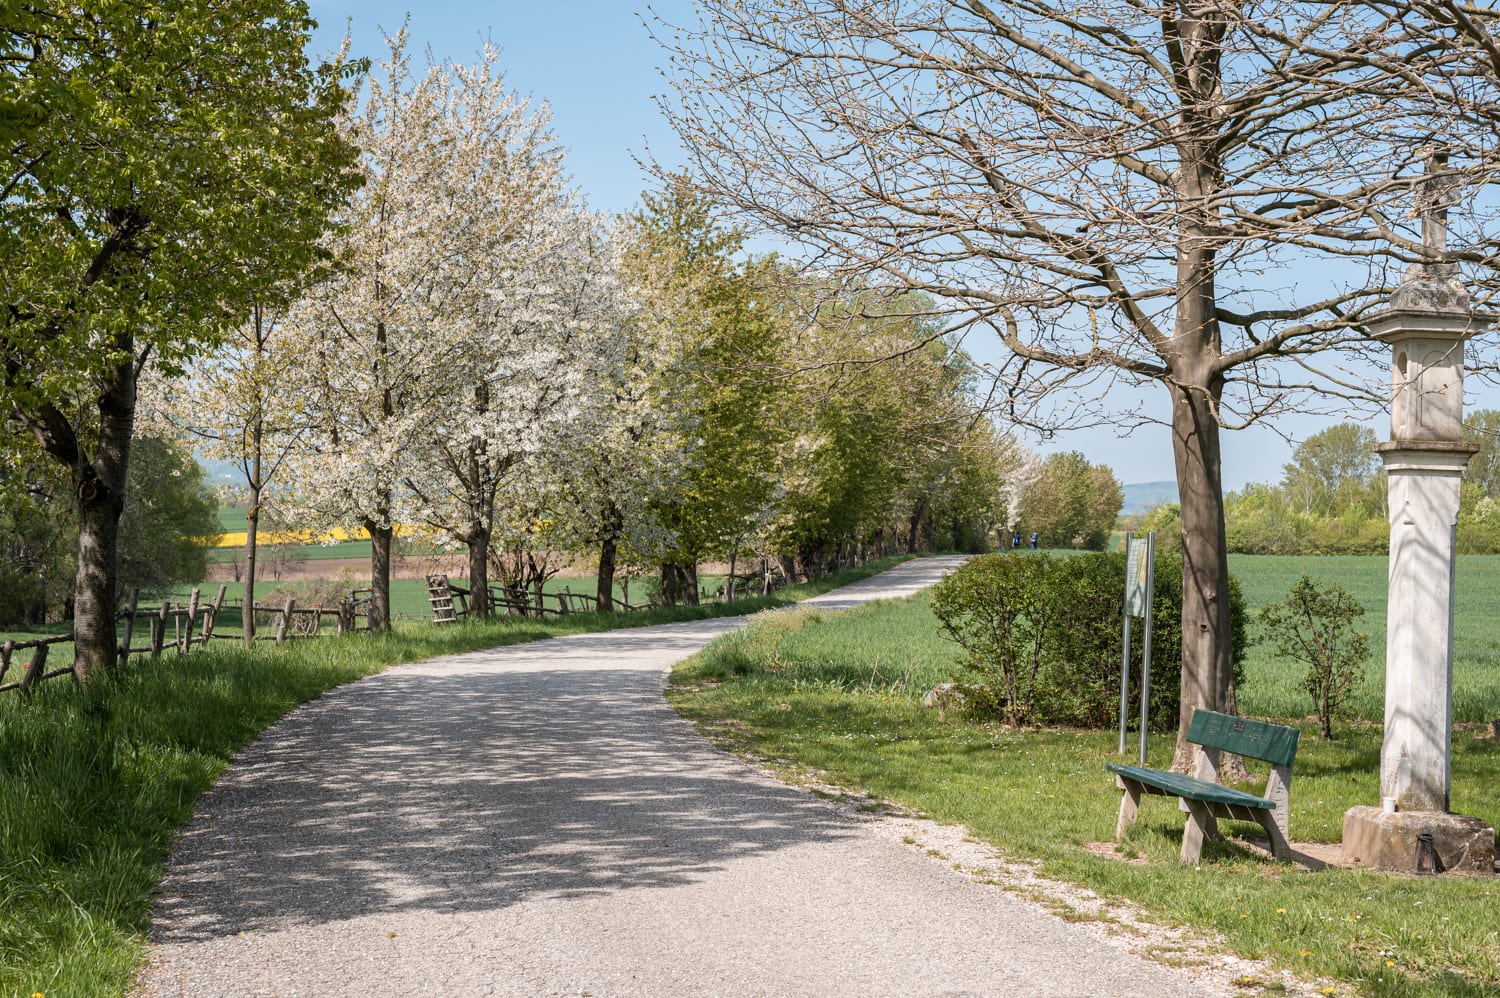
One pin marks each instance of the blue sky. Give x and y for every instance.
(595, 64)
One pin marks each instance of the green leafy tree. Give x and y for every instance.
(170, 521)
(726, 332)
(1072, 503)
(188, 169)
(1482, 427)
(1316, 625)
(37, 539)
(1334, 471)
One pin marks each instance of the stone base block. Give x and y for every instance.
(1379, 840)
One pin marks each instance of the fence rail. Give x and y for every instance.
(183, 627)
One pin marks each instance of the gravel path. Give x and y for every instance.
(534, 820)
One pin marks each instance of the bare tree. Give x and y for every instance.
(1204, 195)
(235, 404)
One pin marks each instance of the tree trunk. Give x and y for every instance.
(252, 532)
(914, 530)
(671, 584)
(100, 498)
(479, 572)
(380, 575)
(605, 587)
(613, 523)
(729, 582)
(1207, 669)
(480, 499)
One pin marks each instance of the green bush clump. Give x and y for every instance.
(1041, 637)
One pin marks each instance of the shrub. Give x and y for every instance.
(1316, 626)
(996, 607)
(1043, 634)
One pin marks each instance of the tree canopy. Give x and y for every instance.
(173, 163)
(1205, 196)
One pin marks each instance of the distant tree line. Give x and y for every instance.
(1331, 499)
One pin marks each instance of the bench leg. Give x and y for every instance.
(1130, 805)
(1280, 847)
(1200, 826)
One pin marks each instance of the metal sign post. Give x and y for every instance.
(1130, 559)
(1150, 588)
(1140, 576)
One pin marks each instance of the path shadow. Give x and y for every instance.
(474, 790)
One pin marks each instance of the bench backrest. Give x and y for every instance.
(1273, 743)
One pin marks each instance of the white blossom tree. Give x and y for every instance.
(409, 351)
(1207, 196)
(529, 390)
(625, 453)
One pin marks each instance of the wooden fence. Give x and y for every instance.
(182, 627)
(451, 602)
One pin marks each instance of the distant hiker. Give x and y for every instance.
(1015, 540)
(1033, 540)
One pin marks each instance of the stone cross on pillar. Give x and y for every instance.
(1426, 326)
(1438, 194)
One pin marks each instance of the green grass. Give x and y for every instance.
(840, 694)
(1274, 687)
(408, 601)
(95, 781)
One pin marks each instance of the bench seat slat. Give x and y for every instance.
(1179, 785)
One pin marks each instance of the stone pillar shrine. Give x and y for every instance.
(1429, 319)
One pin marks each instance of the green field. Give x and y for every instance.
(1273, 688)
(301, 552)
(839, 697)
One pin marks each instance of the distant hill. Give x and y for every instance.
(1142, 497)
(221, 472)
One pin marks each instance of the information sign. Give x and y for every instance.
(1135, 577)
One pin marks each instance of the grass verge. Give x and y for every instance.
(95, 781)
(841, 694)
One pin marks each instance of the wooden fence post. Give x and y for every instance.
(159, 630)
(286, 620)
(185, 640)
(135, 598)
(35, 670)
(5, 651)
(212, 616)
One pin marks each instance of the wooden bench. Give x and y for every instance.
(1204, 798)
